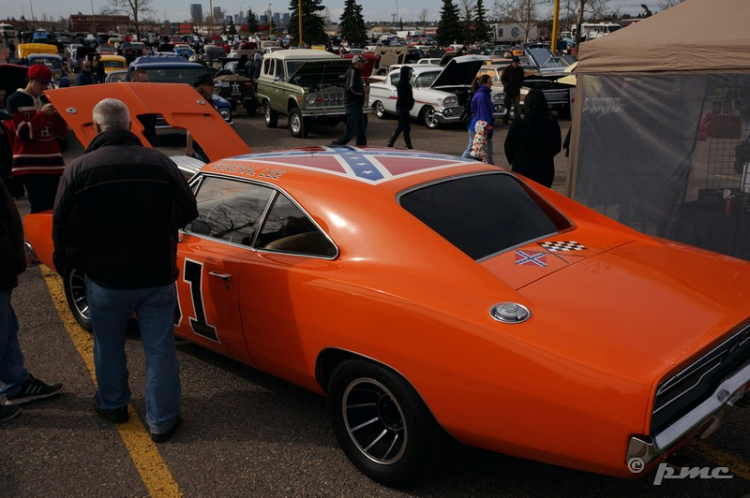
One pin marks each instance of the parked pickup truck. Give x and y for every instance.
(305, 85)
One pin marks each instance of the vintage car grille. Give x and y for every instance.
(688, 388)
(557, 95)
(329, 98)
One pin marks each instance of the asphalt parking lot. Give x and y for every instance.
(248, 434)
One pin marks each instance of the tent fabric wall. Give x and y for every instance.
(660, 113)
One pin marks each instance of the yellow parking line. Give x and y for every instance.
(144, 453)
(736, 466)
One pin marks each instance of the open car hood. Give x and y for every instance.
(460, 71)
(180, 105)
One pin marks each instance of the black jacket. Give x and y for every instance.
(354, 88)
(117, 211)
(531, 146)
(404, 92)
(12, 253)
(512, 80)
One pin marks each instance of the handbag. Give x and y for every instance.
(465, 117)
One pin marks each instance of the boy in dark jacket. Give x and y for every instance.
(404, 104)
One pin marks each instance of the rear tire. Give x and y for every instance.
(382, 424)
(272, 117)
(380, 110)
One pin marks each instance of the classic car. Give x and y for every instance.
(433, 298)
(52, 61)
(113, 63)
(306, 86)
(558, 88)
(439, 92)
(116, 76)
(237, 90)
(175, 69)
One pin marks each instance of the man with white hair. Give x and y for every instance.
(116, 216)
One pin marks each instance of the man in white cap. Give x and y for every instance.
(354, 101)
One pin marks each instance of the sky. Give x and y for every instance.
(179, 10)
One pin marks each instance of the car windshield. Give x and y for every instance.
(424, 79)
(174, 74)
(483, 215)
(54, 64)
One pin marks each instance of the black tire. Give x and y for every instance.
(382, 424)
(271, 116)
(74, 283)
(380, 110)
(299, 126)
(429, 119)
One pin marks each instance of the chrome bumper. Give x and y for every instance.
(700, 421)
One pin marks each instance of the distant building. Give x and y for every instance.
(97, 24)
(217, 13)
(285, 19)
(196, 13)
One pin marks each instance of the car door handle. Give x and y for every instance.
(224, 276)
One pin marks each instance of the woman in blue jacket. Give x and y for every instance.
(481, 110)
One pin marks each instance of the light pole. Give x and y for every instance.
(396, 9)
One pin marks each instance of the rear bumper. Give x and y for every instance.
(701, 421)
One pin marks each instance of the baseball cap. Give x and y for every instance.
(40, 72)
(515, 59)
(204, 79)
(357, 58)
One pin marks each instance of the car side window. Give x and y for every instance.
(267, 67)
(395, 79)
(229, 209)
(288, 229)
(279, 70)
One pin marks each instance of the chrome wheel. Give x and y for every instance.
(374, 421)
(74, 283)
(430, 120)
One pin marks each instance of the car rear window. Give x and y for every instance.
(483, 215)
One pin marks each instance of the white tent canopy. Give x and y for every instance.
(661, 123)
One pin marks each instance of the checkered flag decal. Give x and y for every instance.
(570, 245)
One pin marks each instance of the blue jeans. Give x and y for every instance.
(12, 372)
(489, 148)
(111, 310)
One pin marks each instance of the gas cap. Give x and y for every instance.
(510, 313)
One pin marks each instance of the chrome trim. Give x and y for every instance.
(715, 353)
(31, 257)
(731, 390)
(508, 312)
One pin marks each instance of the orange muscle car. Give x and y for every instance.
(431, 297)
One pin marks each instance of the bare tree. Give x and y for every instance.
(466, 10)
(136, 9)
(665, 4)
(423, 17)
(522, 12)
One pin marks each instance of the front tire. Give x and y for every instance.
(429, 119)
(272, 117)
(74, 283)
(299, 126)
(382, 424)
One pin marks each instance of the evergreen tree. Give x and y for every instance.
(482, 29)
(313, 24)
(467, 32)
(352, 27)
(448, 28)
(252, 23)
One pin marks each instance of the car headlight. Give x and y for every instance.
(452, 100)
(498, 97)
(225, 113)
(310, 98)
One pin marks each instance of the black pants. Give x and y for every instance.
(355, 126)
(404, 125)
(41, 190)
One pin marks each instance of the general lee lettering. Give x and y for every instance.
(247, 170)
